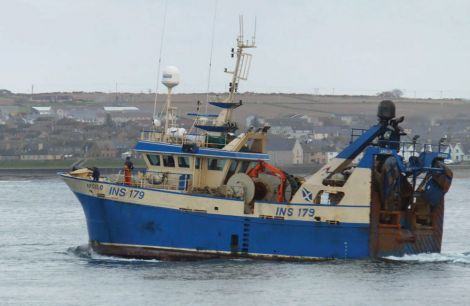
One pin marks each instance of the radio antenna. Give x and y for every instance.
(210, 57)
(253, 39)
(241, 26)
(160, 60)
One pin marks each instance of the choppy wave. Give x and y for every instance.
(86, 252)
(463, 258)
(83, 251)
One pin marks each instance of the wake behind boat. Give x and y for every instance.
(209, 193)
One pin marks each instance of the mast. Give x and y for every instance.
(222, 124)
(169, 114)
(155, 118)
(242, 66)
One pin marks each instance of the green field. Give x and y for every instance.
(65, 164)
(112, 163)
(35, 164)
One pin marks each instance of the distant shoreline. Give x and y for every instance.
(46, 173)
(460, 171)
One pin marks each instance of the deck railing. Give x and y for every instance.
(412, 148)
(183, 183)
(201, 140)
(155, 180)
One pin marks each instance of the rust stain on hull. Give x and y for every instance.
(185, 255)
(397, 240)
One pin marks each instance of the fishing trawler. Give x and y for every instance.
(212, 193)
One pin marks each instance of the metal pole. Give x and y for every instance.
(168, 106)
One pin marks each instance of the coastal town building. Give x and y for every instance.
(458, 153)
(285, 151)
(79, 124)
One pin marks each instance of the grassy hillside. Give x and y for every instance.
(65, 164)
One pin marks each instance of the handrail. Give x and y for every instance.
(417, 147)
(202, 140)
(354, 135)
(166, 183)
(176, 184)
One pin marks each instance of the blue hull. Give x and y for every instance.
(136, 229)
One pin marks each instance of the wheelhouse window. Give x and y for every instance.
(246, 166)
(183, 161)
(153, 159)
(197, 163)
(168, 161)
(216, 164)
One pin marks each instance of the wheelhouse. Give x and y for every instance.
(188, 165)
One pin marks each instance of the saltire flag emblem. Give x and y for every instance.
(307, 195)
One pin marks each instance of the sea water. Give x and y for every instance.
(44, 261)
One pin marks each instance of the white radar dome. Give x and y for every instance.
(171, 76)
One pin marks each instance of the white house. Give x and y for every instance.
(298, 153)
(347, 119)
(300, 134)
(120, 108)
(331, 155)
(457, 153)
(42, 110)
(409, 151)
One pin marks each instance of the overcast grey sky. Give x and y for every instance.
(351, 46)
